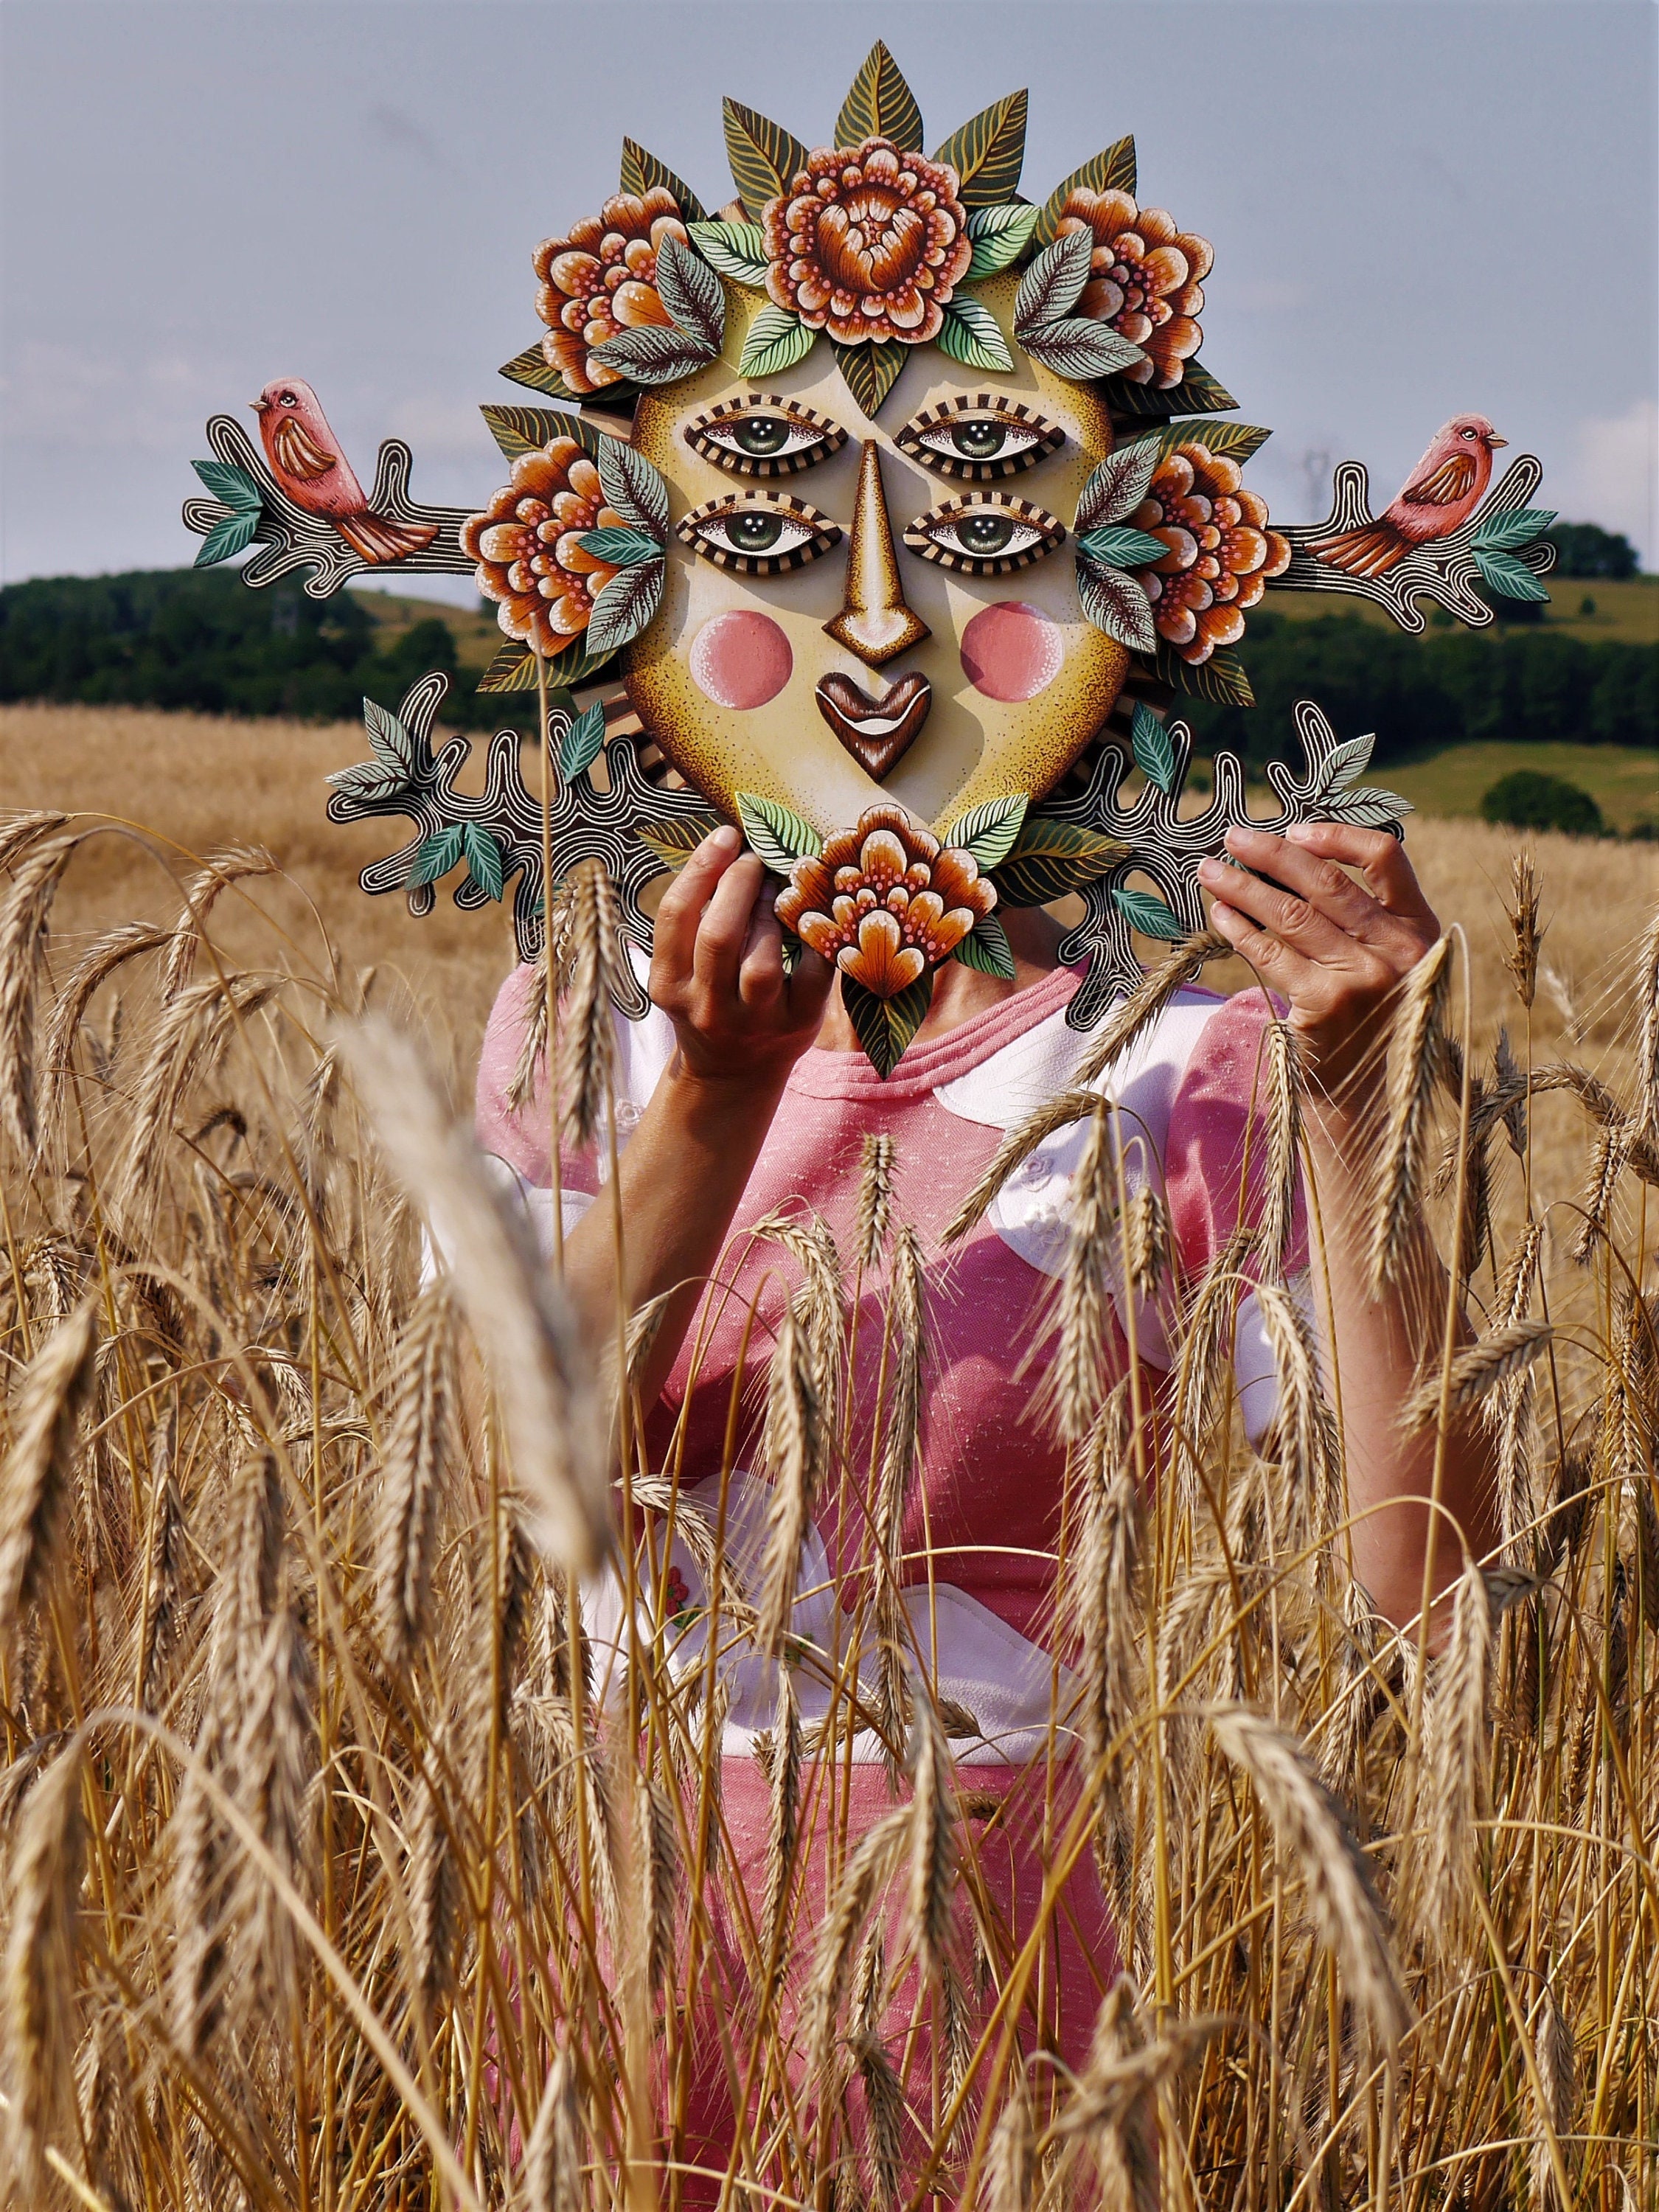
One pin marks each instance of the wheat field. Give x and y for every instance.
(334, 1879)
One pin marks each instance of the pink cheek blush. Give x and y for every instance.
(741, 660)
(1011, 651)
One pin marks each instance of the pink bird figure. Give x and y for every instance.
(306, 460)
(1441, 493)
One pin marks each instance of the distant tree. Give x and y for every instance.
(1526, 799)
(1585, 549)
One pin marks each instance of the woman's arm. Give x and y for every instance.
(741, 1023)
(1338, 952)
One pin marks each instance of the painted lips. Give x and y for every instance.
(877, 733)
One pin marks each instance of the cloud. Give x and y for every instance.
(442, 429)
(80, 397)
(396, 128)
(1613, 478)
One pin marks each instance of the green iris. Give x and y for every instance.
(748, 532)
(761, 434)
(980, 441)
(984, 534)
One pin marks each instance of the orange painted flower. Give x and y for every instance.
(525, 544)
(886, 901)
(1143, 280)
(1221, 550)
(868, 243)
(602, 279)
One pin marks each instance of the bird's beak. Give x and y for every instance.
(258, 405)
(1492, 439)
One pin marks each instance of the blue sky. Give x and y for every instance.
(1416, 209)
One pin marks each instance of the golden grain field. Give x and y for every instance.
(335, 1875)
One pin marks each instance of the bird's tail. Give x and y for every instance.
(1367, 552)
(377, 538)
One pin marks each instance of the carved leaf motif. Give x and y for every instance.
(885, 1026)
(227, 537)
(633, 488)
(776, 340)
(388, 740)
(482, 856)
(1120, 547)
(763, 156)
(623, 549)
(989, 832)
(988, 152)
(513, 669)
(1221, 678)
(1511, 578)
(1118, 485)
(1114, 171)
(880, 105)
(1232, 442)
(1115, 603)
(641, 171)
(1054, 283)
(1197, 393)
(242, 496)
(1080, 349)
(652, 354)
(775, 832)
(737, 250)
(526, 429)
(1499, 532)
(533, 367)
(970, 334)
(582, 742)
(871, 371)
(1149, 914)
(1155, 755)
(987, 948)
(691, 292)
(1052, 858)
(1000, 235)
(623, 608)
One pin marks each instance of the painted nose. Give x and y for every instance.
(874, 621)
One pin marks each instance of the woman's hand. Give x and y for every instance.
(1336, 951)
(717, 971)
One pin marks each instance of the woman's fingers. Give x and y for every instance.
(1379, 855)
(760, 970)
(675, 936)
(723, 933)
(1290, 972)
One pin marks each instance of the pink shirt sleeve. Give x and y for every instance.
(1215, 1157)
(520, 1139)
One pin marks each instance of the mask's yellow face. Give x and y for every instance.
(937, 545)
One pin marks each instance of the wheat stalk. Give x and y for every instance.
(38, 1469)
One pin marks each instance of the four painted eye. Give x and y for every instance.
(764, 534)
(981, 437)
(986, 534)
(758, 436)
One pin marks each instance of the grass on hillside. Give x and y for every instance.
(1624, 613)
(1623, 781)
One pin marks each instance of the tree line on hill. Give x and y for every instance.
(198, 639)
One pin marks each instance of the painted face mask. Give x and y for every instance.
(885, 512)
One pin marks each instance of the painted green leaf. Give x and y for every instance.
(1114, 171)
(763, 156)
(368, 783)
(988, 152)
(652, 355)
(1079, 349)
(885, 1026)
(388, 740)
(1000, 235)
(1220, 678)
(513, 669)
(583, 743)
(988, 832)
(641, 171)
(533, 367)
(691, 292)
(676, 838)
(1347, 765)
(1120, 547)
(633, 488)
(526, 429)
(237, 490)
(1373, 809)
(1197, 393)
(775, 832)
(435, 856)
(1115, 603)
(870, 371)
(969, 333)
(625, 549)
(1117, 486)
(737, 250)
(1511, 527)
(1051, 857)
(880, 105)
(1149, 915)
(623, 608)
(776, 340)
(1054, 283)
(227, 537)
(1232, 442)
(1512, 579)
(1155, 755)
(987, 948)
(482, 855)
